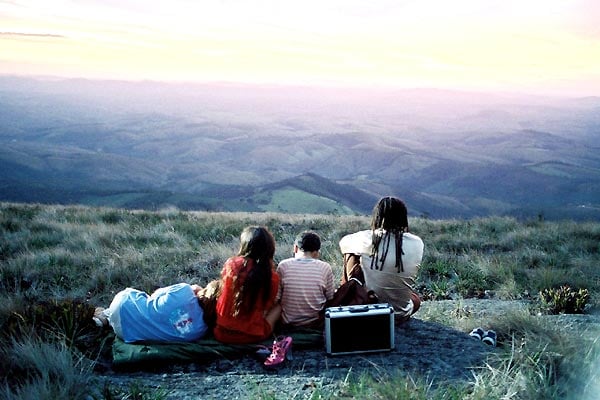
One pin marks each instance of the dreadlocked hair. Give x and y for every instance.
(391, 215)
(258, 248)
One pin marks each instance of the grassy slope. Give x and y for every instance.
(52, 252)
(467, 256)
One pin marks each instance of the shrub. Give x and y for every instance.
(68, 321)
(564, 300)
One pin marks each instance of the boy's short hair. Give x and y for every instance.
(308, 241)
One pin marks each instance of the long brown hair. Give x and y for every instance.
(390, 214)
(257, 246)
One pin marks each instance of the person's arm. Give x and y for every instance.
(225, 299)
(279, 272)
(352, 246)
(329, 288)
(352, 268)
(274, 291)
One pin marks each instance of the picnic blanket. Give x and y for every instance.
(145, 355)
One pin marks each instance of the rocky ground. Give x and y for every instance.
(423, 349)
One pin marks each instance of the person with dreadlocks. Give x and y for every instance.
(246, 311)
(386, 258)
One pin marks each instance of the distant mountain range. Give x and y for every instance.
(231, 147)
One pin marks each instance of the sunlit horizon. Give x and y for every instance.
(536, 47)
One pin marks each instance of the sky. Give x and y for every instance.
(530, 46)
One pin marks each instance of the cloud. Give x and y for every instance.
(585, 21)
(31, 35)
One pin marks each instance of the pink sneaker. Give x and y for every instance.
(281, 349)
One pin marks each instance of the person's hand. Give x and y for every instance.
(196, 289)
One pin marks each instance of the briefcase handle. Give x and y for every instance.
(359, 309)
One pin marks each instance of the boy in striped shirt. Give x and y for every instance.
(305, 284)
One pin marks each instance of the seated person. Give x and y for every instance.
(386, 257)
(246, 311)
(306, 283)
(171, 313)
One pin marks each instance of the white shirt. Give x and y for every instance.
(388, 284)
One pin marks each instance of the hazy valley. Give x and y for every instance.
(297, 149)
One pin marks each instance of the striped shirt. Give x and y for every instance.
(305, 285)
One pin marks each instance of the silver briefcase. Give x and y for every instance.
(359, 329)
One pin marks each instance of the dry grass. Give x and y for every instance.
(55, 253)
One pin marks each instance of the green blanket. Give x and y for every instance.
(149, 355)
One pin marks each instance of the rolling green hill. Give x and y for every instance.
(257, 148)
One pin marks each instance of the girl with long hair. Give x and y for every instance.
(386, 258)
(246, 309)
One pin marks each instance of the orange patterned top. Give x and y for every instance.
(246, 328)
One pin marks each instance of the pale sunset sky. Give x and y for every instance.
(530, 46)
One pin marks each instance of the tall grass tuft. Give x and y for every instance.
(42, 370)
(399, 385)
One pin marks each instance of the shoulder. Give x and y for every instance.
(326, 269)
(284, 264)
(360, 234)
(411, 237)
(412, 240)
(232, 266)
(235, 261)
(358, 242)
(324, 264)
(357, 237)
(180, 288)
(285, 261)
(171, 289)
